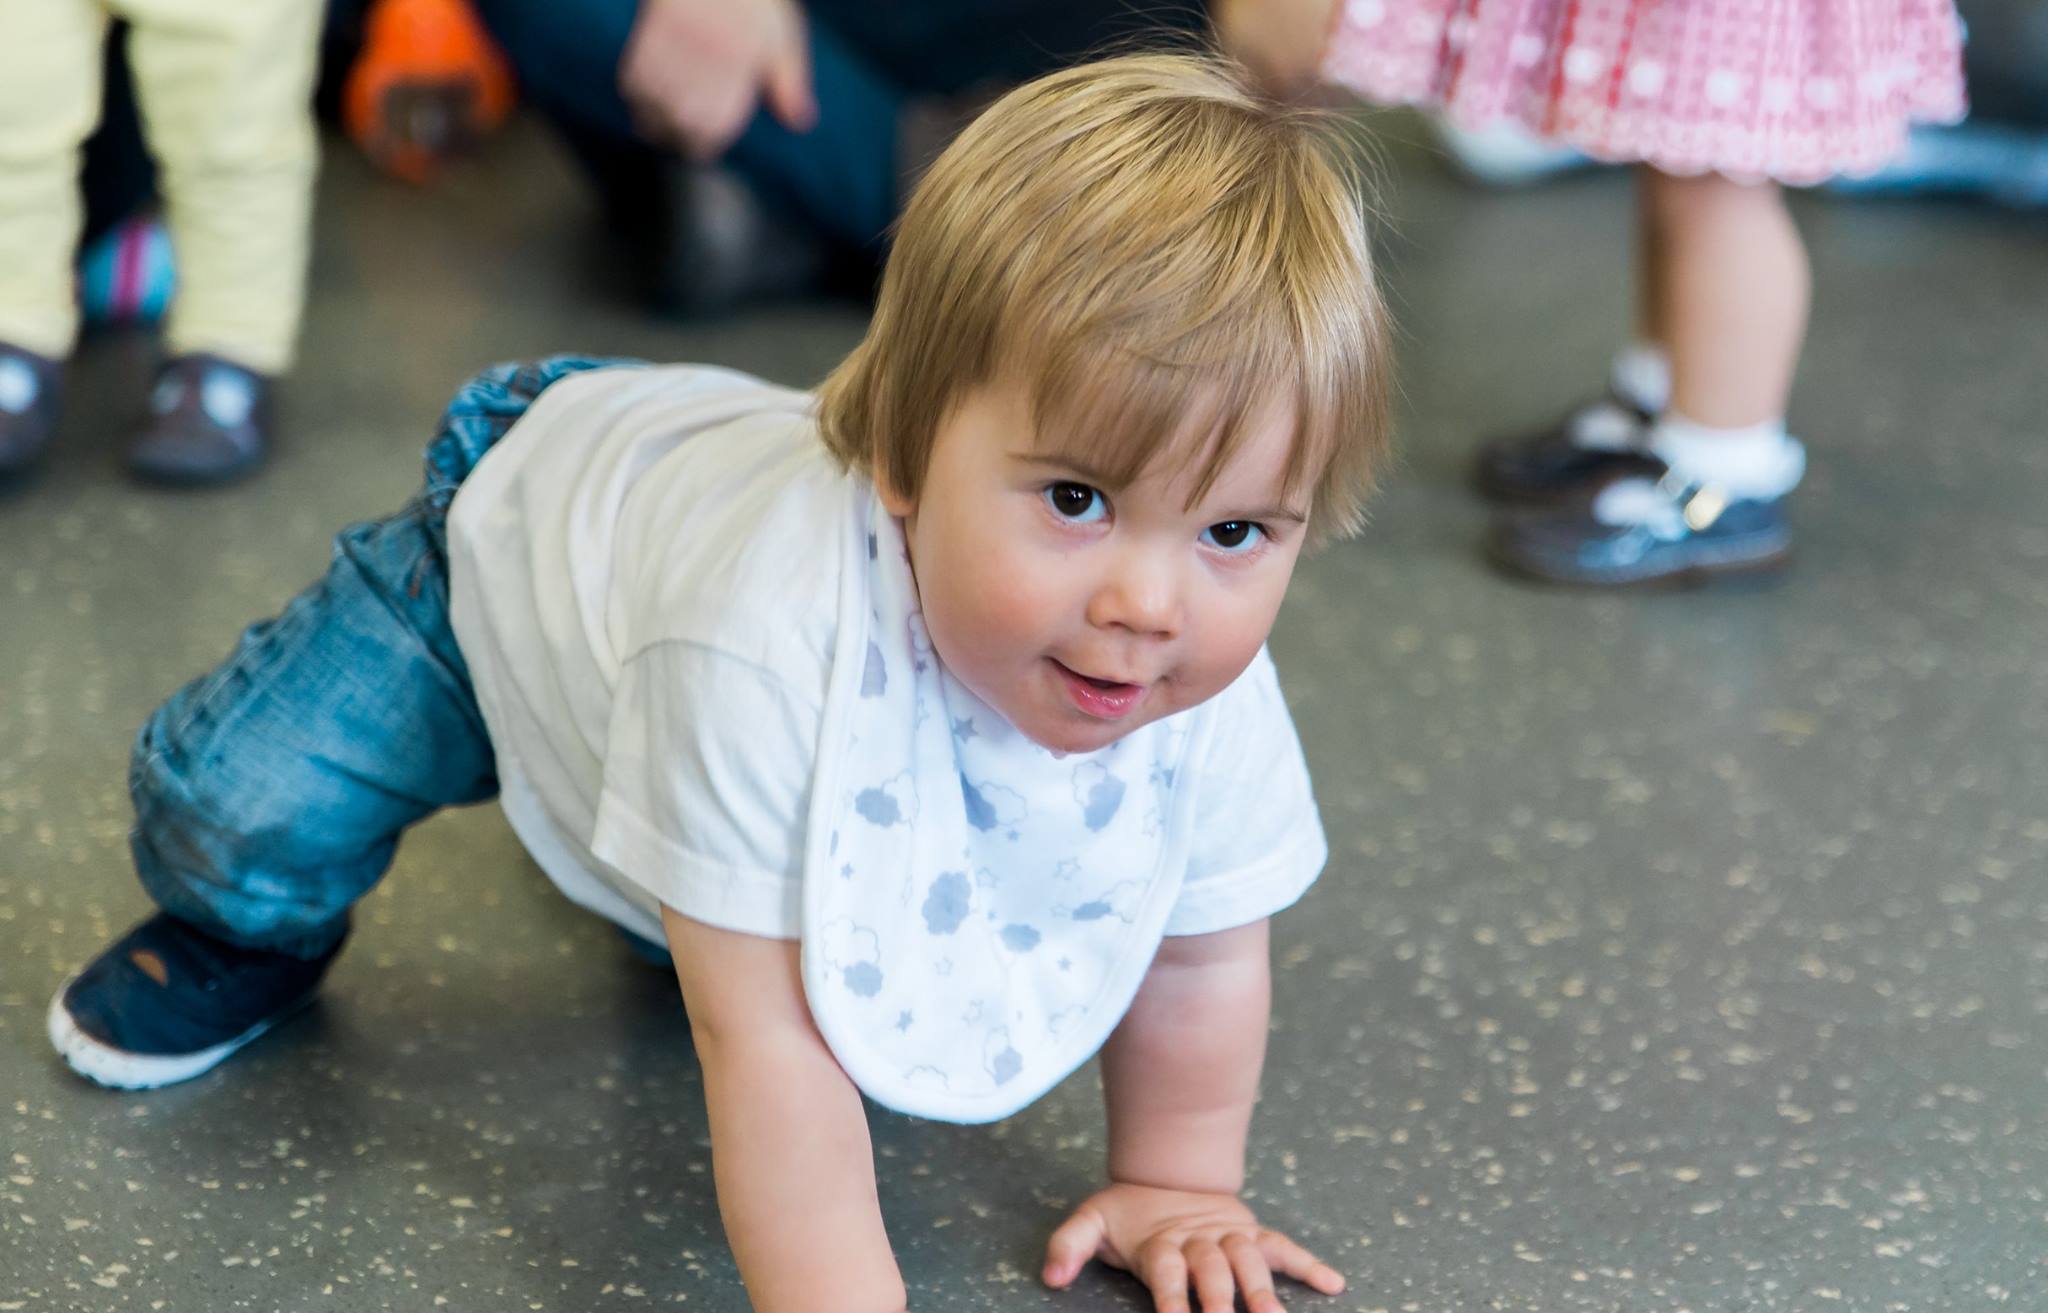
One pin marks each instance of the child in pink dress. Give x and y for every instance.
(1681, 471)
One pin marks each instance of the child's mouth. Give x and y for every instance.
(1105, 699)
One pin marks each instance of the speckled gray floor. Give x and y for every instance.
(1680, 952)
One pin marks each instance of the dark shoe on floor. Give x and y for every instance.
(1637, 532)
(209, 422)
(28, 407)
(722, 246)
(1557, 464)
(166, 1002)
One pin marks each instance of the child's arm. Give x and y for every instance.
(789, 1138)
(1180, 1075)
(1181, 1071)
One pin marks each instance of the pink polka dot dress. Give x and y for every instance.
(1794, 90)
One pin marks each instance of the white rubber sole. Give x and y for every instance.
(118, 1069)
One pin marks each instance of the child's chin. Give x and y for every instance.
(1083, 735)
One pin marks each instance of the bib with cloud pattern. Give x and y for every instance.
(978, 910)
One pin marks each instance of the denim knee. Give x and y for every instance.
(271, 793)
(223, 858)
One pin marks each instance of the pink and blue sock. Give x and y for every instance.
(127, 276)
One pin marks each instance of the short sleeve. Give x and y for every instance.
(706, 793)
(1258, 839)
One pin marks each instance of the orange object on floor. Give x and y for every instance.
(429, 84)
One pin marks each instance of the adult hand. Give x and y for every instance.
(1280, 41)
(695, 71)
(1170, 1239)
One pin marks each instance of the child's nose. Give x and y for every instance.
(1141, 594)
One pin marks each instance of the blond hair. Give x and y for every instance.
(1155, 252)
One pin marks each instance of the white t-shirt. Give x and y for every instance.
(650, 578)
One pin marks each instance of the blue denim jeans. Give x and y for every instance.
(270, 793)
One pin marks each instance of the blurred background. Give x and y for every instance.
(1680, 949)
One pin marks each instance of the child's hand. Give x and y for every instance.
(1171, 1239)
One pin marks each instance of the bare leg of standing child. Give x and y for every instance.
(1696, 491)
(1727, 287)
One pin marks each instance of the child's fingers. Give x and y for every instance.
(1165, 1273)
(1215, 1287)
(1254, 1278)
(1290, 1259)
(1071, 1246)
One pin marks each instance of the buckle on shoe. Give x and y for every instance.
(1699, 503)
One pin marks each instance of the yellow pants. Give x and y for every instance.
(224, 87)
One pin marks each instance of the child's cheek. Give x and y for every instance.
(1231, 636)
(981, 612)
(1013, 598)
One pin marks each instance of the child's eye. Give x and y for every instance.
(1077, 502)
(1236, 536)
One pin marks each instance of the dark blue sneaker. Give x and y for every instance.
(1638, 532)
(209, 422)
(166, 1002)
(28, 407)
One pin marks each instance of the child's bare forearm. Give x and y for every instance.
(796, 1179)
(789, 1138)
(1181, 1073)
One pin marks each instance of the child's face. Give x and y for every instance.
(1082, 613)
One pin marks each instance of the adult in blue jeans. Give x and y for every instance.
(750, 148)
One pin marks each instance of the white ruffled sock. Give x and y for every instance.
(1640, 376)
(1756, 463)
